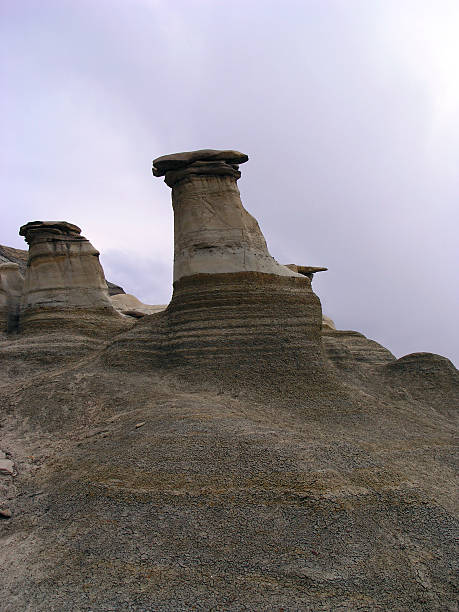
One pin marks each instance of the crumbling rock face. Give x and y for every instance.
(64, 283)
(61, 311)
(348, 350)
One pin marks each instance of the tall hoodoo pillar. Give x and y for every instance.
(233, 304)
(11, 285)
(213, 232)
(64, 282)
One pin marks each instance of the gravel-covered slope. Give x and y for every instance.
(141, 491)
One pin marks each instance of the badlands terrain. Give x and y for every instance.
(229, 451)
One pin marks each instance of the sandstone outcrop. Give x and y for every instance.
(64, 283)
(11, 287)
(308, 271)
(21, 256)
(213, 233)
(234, 308)
(327, 323)
(129, 305)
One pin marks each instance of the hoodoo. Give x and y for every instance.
(233, 303)
(213, 233)
(229, 452)
(64, 282)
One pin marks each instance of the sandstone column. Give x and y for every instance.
(213, 233)
(64, 284)
(234, 307)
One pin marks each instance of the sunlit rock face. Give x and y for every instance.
(11, 286)
(64, 282)
(213, 232)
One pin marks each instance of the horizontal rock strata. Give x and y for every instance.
(64, 284)
(229, 326)
(233, 451)
(235, 310)
(21, 256)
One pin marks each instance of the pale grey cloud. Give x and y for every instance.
(348, 110)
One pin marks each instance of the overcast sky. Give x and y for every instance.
(348, 110)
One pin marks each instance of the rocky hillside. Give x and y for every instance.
(227, 453)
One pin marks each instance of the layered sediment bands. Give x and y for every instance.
(427, 378)
(235, 311)
(246, 319)
(230, 326)
(11, 286)
(64, 284)
(348, 350)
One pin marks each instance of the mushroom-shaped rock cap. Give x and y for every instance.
(55, 227)
(163, 164)
(39, 229)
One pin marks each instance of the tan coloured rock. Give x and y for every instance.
(214, 234)
(128, 304)
(11, 286)
(64, 282)
(327, 323)
(308, 271)
(234, 308)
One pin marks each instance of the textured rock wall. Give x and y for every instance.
(320, 478)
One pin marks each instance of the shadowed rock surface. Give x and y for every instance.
(231, 452)
(11, 288)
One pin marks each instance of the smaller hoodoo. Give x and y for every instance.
(64, 285)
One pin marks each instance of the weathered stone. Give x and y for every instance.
(6, 467)
(21, 256)
(308, 271)
(64, 283)
(271, 474)
(234, 307)
(163, 164)
(213, 233)
(11, 287)
(130, 305)
(327, 323)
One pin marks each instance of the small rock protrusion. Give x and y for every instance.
(6, 467)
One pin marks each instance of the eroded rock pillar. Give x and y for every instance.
(213, 233)
(234, 307)
(64, 282)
